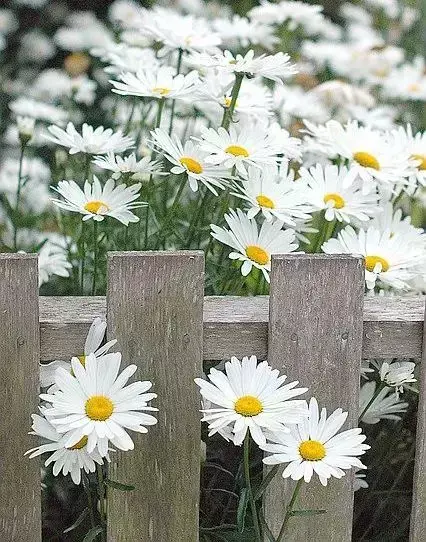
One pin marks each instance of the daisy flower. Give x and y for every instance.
(97, 202)
(94, 402)
(397, 374)
(336, 192)
(274, 193)
(189, 159)
(315, 446)
(249, 143)
(127, 165)
(66, 459)
(52, 260)
(28, 107)
(386, 406)
(253, 247)
(415, 147)
(388, 259)
(250, 397)
(90, 141)
(160, 83)
(92, 345)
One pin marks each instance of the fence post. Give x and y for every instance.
(315, 336)
(418, 511)
(20, 483)
(155, 310)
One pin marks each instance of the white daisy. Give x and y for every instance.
(190, 159)
(275, 193)
(127, 165)
(90, 141)
(250, 397)
(397, 374)
(92, 345)
(386, 406)
(407, 81)
(97, 202)
(415, 146)
(52, 260)
(94, 402)
(27, 107)
(66, 459)
(253, 247)
(162, 83)
(314, 446)
(388, 259)
(249, 143)
(338, 193)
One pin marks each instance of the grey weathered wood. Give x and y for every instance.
(315, 336)
(155, 310)
(393, 326)
(418, 512)
(20, 483)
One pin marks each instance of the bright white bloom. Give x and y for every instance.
(415, 146)
(315, 446)
(338, 193)
(52, 260)
(190, 159)
(91, 140)
(95, 402)
(97, 202)
(397, 374)
(250, 397)
(92, 345)
(161, 83)
(253, 247)
(386, 406)
(294, 12)
(240, 32)
(27, 107)
(250, 143)
(127, 165)
(66, 459)
(275, 193)
(407, 82)
(388, 259)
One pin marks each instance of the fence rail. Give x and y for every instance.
(317, 326)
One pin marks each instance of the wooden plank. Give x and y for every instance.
(315, 336)
(20, 482)
(155, 310)
(418, 512)
(393, 327)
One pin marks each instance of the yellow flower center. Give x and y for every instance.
(77, 64)
(96, 207)
(257, 254)
(80, 444)
(227, 101)
(372, 261)
(414, 87)
(312, 450)
(191, 165)
(366, 159)
(236, 150)
(338, 201)
(248, 406)
(422, 159)
(264, 201)
(99, 408)
(162, 91)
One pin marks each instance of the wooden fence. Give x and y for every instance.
(316, 326)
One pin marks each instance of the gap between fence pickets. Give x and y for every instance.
(393, 326)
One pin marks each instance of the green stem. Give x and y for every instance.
(381, 386)
(289, 511)
(86, 485)
(255, 517)
(82, 244)
(101, 490)
(325, 233)
(171, 213)
(172, 111)
(227, 117)
(87, 169)
(95, 255)
(18, 198)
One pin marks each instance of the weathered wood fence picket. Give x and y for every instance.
(316, 326)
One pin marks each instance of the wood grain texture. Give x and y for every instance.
(418, 511)
(155, 310)
(393, 327)
(315, 336)
(20, 483)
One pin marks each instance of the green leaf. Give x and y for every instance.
(119, 485)
(265, 482)
(78, 521)
(242, 509)
(307, 512)
(93, 534)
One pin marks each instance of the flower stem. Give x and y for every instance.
(289, 511)
(101, 491)
(255, 517)
(82, 244)
(229, 112)
(95, 256)
(18, 198)
(171, 212)
(86, 485)
(381, 386)
(172, 111)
